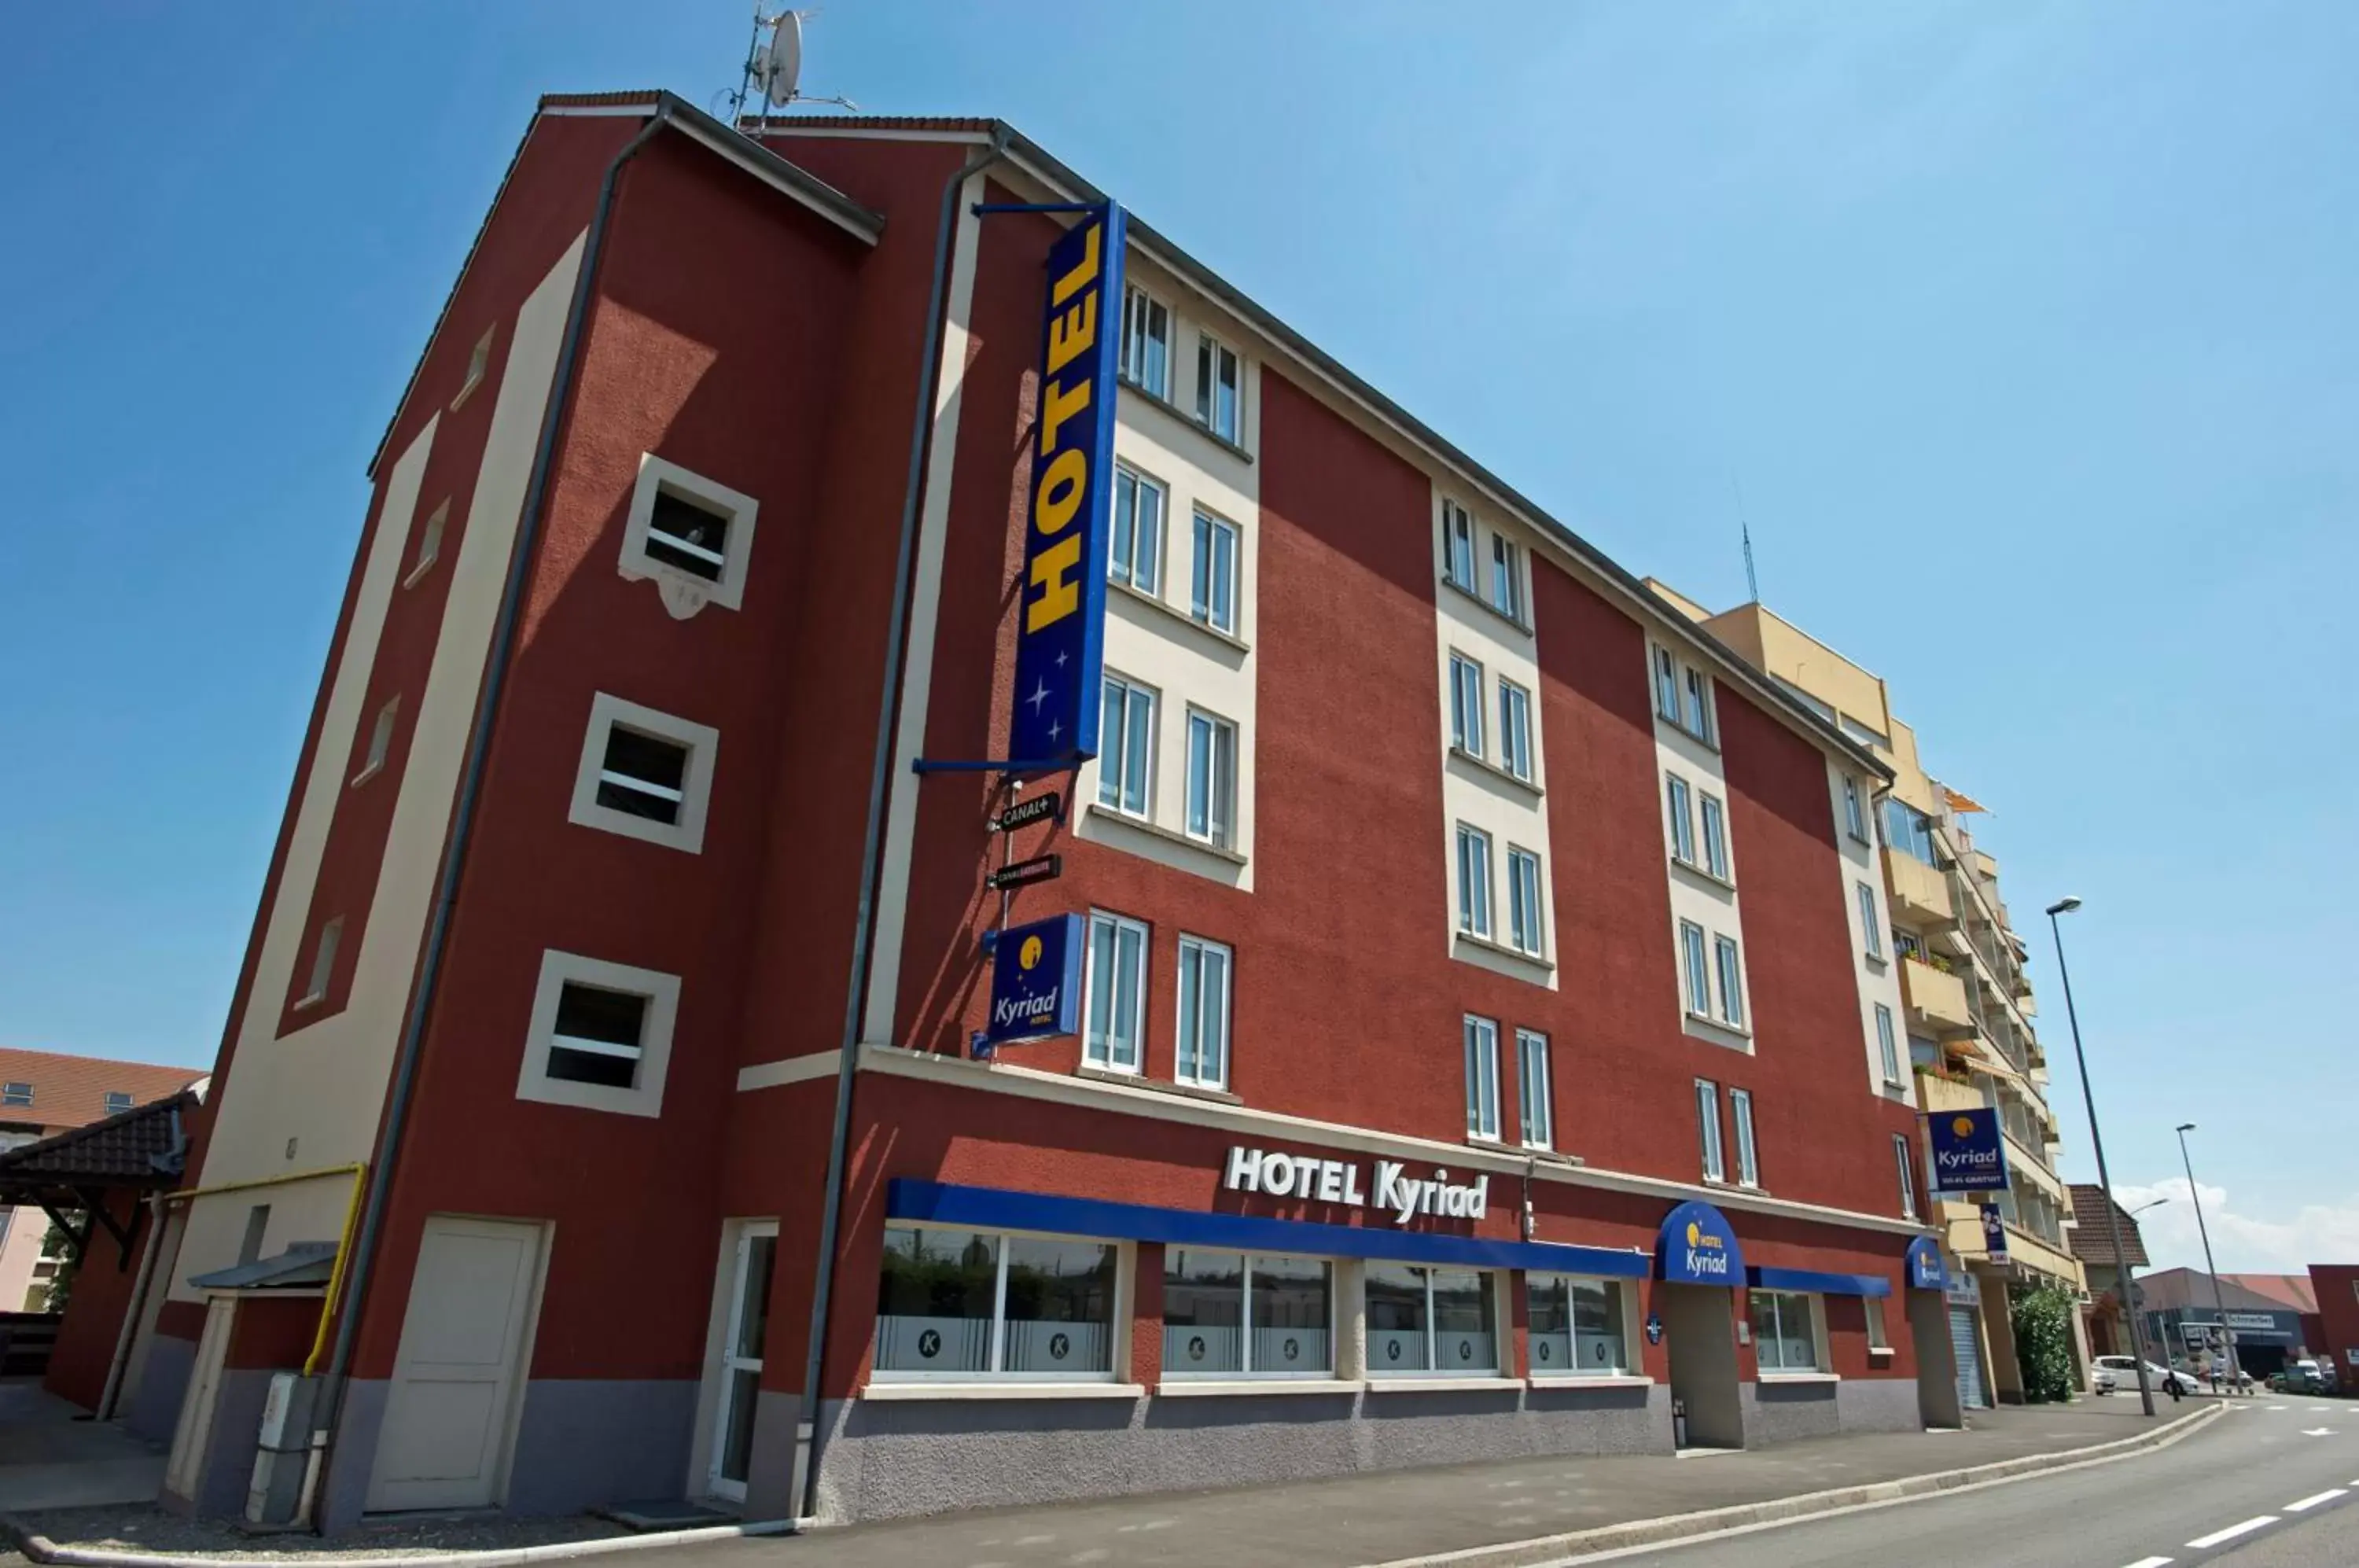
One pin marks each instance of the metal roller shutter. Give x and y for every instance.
(1967, 1347)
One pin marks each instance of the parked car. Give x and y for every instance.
(2124, 1371)
(2304, 1376)
(2105, 1379)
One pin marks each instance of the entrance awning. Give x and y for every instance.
(1697, 1246)
(1821, 1284)
(1925, 1271)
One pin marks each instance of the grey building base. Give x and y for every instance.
(583, 1442)
(153, 1412)
(227, 1446)
(1786, 1412)
(898, 1459)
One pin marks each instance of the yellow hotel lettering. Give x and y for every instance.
(1063, 473)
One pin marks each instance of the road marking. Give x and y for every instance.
(2309, 1503)
(2150, 1562)
(2280, 1406)
(2204, 1542)
(2320, 1431)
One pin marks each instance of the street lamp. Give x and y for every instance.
(2096, 1138)
(2218, 1305)
(2130, 1313)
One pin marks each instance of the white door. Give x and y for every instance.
(741, 1359)
(187, 1460)
(447, 1414)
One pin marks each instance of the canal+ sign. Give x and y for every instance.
(1697, 1247)
(1060, 623)
(1967, 1154)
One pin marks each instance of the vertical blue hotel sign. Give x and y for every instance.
(1968, 1156)
(1060, 625)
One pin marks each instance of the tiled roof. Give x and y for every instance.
(960, 122)
(71, 1091)
(2293, 1289)
(141, 1147)
(2093, 1240)
(597, 100)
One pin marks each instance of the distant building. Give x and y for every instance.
(2182, 1312)
(2335, 1286)
(2092, 1244)
(43, 1092)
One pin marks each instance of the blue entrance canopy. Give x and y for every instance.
(1697, 1246)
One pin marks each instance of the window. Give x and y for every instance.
(1220, 387)
(1134, 555)
(1855, 808)
(1871, 926)
(1147, 343)
(1458, 546)
(257, 1231)
(1474, 881)
(1907, 1176)
(1534, 1100)
(1666, 685)
(1507, 579)
(601, 1035)
(1785, 1330)
(1910, 831)
(1692, 967)
(1114, 985)
(1576, 1326)
(430, 543)
(1515, 729)
(1732, 981)
(1715, 837)
(1482, 1078)
(963, 1304)
(380, 741)
(1888, 1048)
(693, 536)
(1682, 820)
(1235, 1315)
(323, 963)
(1125, 745)
(117, 1101)
(1740, 1116)
(1212, 597)
(1465, 704)
(1203, 1056)
(1877, 1339)
(1695, 711)
(1212, 779)
(1708, 1125)
(16, 1093)
(644, 774)
(1527, 927)
(1864, 735)
(1423, 1321)
(479, 361)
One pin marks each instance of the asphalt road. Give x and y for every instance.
(2274, 1483)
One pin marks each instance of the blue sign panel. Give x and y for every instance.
(1060, 603)
(1697, 1247)
(1993, 1233)
(1925, 1270)
(1036, 981)
(1967, 1154)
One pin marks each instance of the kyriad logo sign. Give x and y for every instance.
(1279, 1175)
(1697, 1246)
(1968, 1156)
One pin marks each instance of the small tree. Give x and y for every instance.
(2043, 1342)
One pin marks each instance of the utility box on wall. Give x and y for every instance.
(275, 1494)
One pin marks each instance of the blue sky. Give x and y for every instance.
(2026, 335)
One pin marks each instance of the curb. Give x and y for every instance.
(1544, 1551)
(41, 1549)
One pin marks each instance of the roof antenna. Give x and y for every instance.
(1752, 580)
(774, 64)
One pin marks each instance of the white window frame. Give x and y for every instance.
(380, 741)
(1666, 677)
(1535, 1089)
(1707, 1096)
(1249, 1327)
(1114, 750)
(702, 741)
(1218, 808)
(1474, 896)
(1099, 1052)
(1871, 926)
(1216, 605)
(1780, 1303)
(15, 1092)
(322, 974)
(1887, 1046)
(1728, 970)
(1457, 545)
(1679, 798)
(1142, 568)
(1907, 1164)
(1505, 592)
(1140, 310)
(1117, 1326)
(1748, 1154)
(1527, 902)
(1624, 1361)
(1879, 1337)
(1465, 704)
(1715, 836)
(1202, 1057)
(112, 1095)
(1481, 1038)
(1855, 808)
(479, 361)
(1211, 351)
(642, 1098)
(1515, 729)
(1499, 1315)
(1696, 715)
(1695, 972)
(430, 544)
(684, 592)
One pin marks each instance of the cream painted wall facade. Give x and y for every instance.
(312, 1099)
(1875, 962)
(1477, 788)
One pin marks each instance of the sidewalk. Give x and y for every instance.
(48, 1459)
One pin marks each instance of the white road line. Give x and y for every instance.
(2280, 1406)
(2309, 1503)
(2150, 1562)
(2204, 1542)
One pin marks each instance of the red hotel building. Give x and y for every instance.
(1434, 1099)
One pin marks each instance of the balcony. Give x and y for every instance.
(1935, 1001)
(2023, 1248)
(1936, 1095)
(1920, 895)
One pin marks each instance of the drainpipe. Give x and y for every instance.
(124, 1336)
(362, 1249)
(921, 429)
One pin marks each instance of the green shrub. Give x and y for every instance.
(2043, 1342)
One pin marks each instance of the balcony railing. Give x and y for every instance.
(1920, 893)
(1935, 1000)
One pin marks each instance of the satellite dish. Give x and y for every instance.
(780, 63)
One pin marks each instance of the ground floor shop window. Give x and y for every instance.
(980, 1304)
(1229, 1314)
(1576, 1326)
(1436, 1321)
(1785, 1330)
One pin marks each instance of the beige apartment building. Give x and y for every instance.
(1935, 936)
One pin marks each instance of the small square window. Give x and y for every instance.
(1203, 1052)
(644, 774)
(1135, 555)
(16, 1093)
(323, 965)
(117, 1101)
(430, 543)
(1474, 881)
(380, 741)
(1212, 593)
(1114, 991)
(600, 1036)
(1147, 343)
(692, 535)
(479, 363)
(1457, 545)
(1507, 579)
(1212, 779)
(1125, 745)
(1220, 388)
